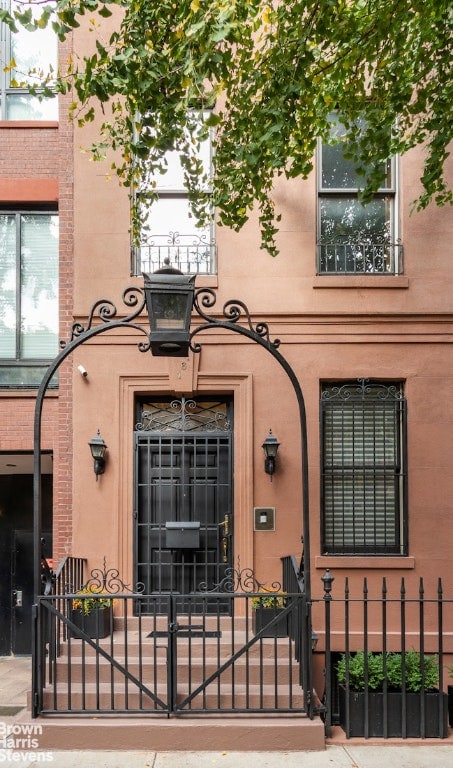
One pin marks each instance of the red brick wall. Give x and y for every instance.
(36, 162)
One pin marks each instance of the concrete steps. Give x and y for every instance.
(189, 733)
(86, 685)
(191, 670)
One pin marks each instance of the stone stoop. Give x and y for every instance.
(261, 678)
(189, 734)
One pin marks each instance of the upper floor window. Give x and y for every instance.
(363, 468)
(171, 233)
(24, 57)
(28, 296)
(354, 238)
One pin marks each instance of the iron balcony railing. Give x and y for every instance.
(190, 253)
(359, 255)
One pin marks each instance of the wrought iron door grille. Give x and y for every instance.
(183, 518)
(363, 472)
(185, 415)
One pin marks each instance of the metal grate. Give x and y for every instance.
(185, 415)
(363, 471)
(191, 253)
(184, 503)
(360, 256)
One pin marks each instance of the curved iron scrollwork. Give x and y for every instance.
(363, 389)
(233, 311)
(107, 580)
(185, 415)
(106, 311)
(240, 580)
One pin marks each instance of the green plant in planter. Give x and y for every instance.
(268, 598)
(357, 671)
(416, 673)
(85, 603)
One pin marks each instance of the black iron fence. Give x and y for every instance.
(384, 651)
(385, 658)
(100, 653)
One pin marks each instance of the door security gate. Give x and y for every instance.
(192, 659)
(183, 508)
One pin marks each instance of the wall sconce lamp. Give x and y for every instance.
(270, 448)
(314, 640)
(98, 450)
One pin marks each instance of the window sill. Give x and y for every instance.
(23, 393)
(29, 123)
(361, 281)
(390, 562)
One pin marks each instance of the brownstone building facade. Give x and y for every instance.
(366, 324)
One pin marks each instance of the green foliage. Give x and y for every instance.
(269, 598)
(90, 601)
(418, 671)
(272, 72)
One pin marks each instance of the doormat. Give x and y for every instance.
(10, 711)
(185, 633)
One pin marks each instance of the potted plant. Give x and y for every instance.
(268, 606)
(92, 613)
(377, 693)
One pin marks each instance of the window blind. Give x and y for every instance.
(362, 463)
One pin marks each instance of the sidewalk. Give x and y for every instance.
(15, 676)
(333, 757)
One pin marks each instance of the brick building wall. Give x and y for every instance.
(36, 161)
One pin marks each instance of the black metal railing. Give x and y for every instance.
(293, 584)
(358, 255)
(191, 659)
(384, 659)
(191, 253)
(70, 573)
(48, 635)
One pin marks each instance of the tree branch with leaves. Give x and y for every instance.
(264, 77)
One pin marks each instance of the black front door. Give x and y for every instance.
(22, 589)
(16, 555)
(183, 517)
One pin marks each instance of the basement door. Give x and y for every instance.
(183, 511)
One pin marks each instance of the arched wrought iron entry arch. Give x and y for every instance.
(235, 317)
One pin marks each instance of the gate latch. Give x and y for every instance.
(173, 627)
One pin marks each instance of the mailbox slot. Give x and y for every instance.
(182, 535)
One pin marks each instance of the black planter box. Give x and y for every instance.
(450, 705)
(97, 624)
(357, 714)
(262, 618)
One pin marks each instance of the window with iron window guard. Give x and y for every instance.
(32, 53)
(363, 468)
(354, 238)
(171, 233)
(28, 297)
